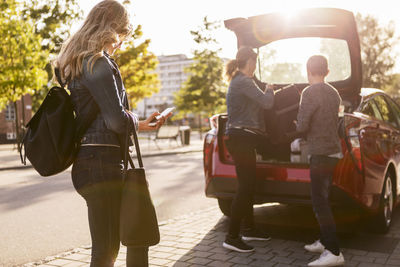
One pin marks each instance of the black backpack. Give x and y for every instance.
(51, 141)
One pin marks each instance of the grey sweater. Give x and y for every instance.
(246, 102)
(318, 118)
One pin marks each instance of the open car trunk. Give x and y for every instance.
(334, 23)
(259, 31)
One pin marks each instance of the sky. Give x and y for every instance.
(168, 22)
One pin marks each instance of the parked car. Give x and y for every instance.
(368, 174)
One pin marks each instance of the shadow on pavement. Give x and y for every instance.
(290, 227)
(33, 189)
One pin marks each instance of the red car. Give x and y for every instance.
(367, 175)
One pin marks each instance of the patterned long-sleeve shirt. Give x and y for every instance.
(318, 118)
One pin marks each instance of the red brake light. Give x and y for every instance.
(214, 121)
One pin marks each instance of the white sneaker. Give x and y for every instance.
(328, 259)
(315, 247)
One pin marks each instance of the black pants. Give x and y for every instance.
(97, 176)
(321, 172)
(242, 148)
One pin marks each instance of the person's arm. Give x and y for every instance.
(144, 125)
(260, 84)
(102, 86)
(306, 111)
(134, 119)
(251, 90)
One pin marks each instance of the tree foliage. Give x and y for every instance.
(204, 90)
(393, 87)
(137, 65)
(21, 55)
(338, 57)
(52, 21)
(377, 51)
(22, 59)
(272, 70)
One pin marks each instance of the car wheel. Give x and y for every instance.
(386, 206)
(225, 206)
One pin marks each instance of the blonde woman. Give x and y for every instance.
(95, 83)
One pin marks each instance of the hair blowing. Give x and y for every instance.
(242, 56)
(105, 22)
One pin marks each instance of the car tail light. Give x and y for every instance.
(214, 121)
(209, 138)
(207, 153)
(354, 139)
(354, 149)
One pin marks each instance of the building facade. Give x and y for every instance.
(8, 134)
(171, 74)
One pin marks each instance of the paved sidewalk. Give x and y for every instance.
(10, 158)
(195, 240)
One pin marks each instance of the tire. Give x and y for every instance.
(385, 214)
(225, 206)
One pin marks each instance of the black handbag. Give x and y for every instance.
(138, 219)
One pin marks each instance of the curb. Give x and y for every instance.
(143, 156)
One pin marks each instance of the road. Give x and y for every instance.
(40, 216)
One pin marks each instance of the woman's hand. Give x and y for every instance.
(271, 86)
(144, 125)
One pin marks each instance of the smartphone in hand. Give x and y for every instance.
(162, 114)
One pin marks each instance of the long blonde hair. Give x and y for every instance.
(242, 56)
(107, 21)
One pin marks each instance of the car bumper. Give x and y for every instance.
(275, 191)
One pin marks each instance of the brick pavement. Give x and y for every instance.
(195, 240)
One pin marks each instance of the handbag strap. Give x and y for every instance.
(127, 156)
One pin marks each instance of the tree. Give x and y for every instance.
(52, 21)
(204, 91)
(377, 51)
(273, 71)
(21, 57)
(393, 87)
(137, 66)
(338, 56)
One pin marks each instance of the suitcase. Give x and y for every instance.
(279, 120)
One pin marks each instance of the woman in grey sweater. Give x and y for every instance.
(245, 102)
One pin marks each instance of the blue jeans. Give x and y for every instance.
(97, 176)
(321, 172)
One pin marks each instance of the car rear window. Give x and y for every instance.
(284, 61)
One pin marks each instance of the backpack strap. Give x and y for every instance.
(58, 76)
(82, 122)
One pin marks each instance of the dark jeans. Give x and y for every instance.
(97, 176)
(321, 172)
(242, 148)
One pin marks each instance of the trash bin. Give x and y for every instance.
(185, 135)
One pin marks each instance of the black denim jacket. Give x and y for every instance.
(103, 87)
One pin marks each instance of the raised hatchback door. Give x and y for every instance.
(334, 23)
